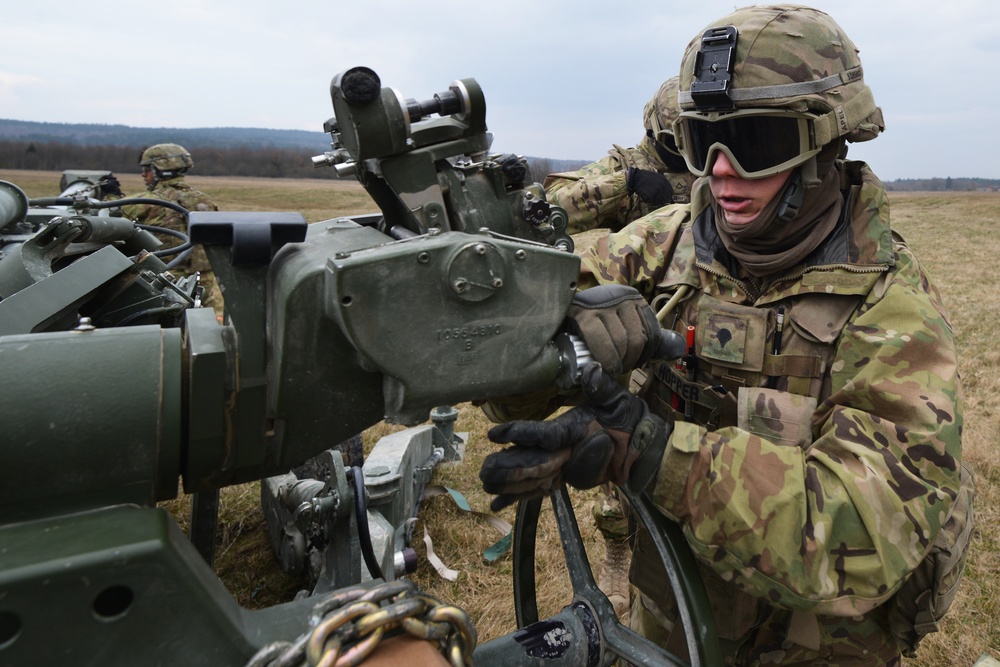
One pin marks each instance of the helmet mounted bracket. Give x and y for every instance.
(713, 70)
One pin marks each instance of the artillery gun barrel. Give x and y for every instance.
(13, 204)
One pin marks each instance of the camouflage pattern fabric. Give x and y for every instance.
(766, 59)
(802, 544)
(859, 641)
(609, 516)
(596, 195)
(177, 190)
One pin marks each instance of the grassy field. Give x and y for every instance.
(954, 234)
(316, 199)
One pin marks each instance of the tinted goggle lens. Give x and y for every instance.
(666, 140)
(758, 143)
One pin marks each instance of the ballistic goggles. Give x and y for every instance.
(758, 142)
(667, 141)
(664, 136)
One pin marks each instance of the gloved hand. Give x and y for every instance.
(652, 187)
(110, 185)
(617, 325)
(612, 437)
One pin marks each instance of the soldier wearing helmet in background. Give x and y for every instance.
(630, 182)
(163, 167)
(612, 192)
(810, 447)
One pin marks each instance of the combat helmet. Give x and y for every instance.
(771, 86)
(166, 159)
(658, 118)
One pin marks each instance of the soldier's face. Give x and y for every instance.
(742, 199)
(147, 175)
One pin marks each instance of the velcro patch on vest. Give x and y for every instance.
(856, 282)
(731, 335)
(777, 416)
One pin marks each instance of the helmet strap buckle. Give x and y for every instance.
(791, 199)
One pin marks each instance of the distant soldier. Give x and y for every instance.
(630, 182)
(163, 168)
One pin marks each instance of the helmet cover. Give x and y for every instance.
(166, 157)
(785, 57)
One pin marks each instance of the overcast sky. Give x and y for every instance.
(562, 79)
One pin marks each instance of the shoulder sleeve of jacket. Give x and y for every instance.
(143, 213)
(835, 528)
(594, 196)
(638, 255)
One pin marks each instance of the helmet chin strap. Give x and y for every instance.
(794, 194)
(806, 177)
(161, 175)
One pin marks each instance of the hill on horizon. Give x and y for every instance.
(97, 134)
(311, 143)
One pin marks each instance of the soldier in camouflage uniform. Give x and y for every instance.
(624, 186)
(163, 168)
(811, 447)
(630, 182)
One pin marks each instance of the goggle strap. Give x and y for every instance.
(785, 89)
(842, 119)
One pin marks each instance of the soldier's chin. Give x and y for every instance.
(742, 217)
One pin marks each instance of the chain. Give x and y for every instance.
(348, 625)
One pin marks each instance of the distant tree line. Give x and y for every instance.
(208, 161)
(265, 162)
(281, 162)
(943, 185)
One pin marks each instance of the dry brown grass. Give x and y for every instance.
(955, 235)
(316, 199)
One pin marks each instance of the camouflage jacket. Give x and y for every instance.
(596, 195)
(175, 190)
(832, 524)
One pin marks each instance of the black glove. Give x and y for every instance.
(652, 187)
(612, 437)
(110, 185)
(616, 324)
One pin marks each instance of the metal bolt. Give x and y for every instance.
(84, 325)
(520, 254)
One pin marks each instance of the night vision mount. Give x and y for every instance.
(713, 70)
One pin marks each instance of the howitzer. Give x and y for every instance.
(454, 292)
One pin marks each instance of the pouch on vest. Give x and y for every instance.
(928, 592)
(777, 416)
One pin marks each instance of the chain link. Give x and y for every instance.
(348, 625)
